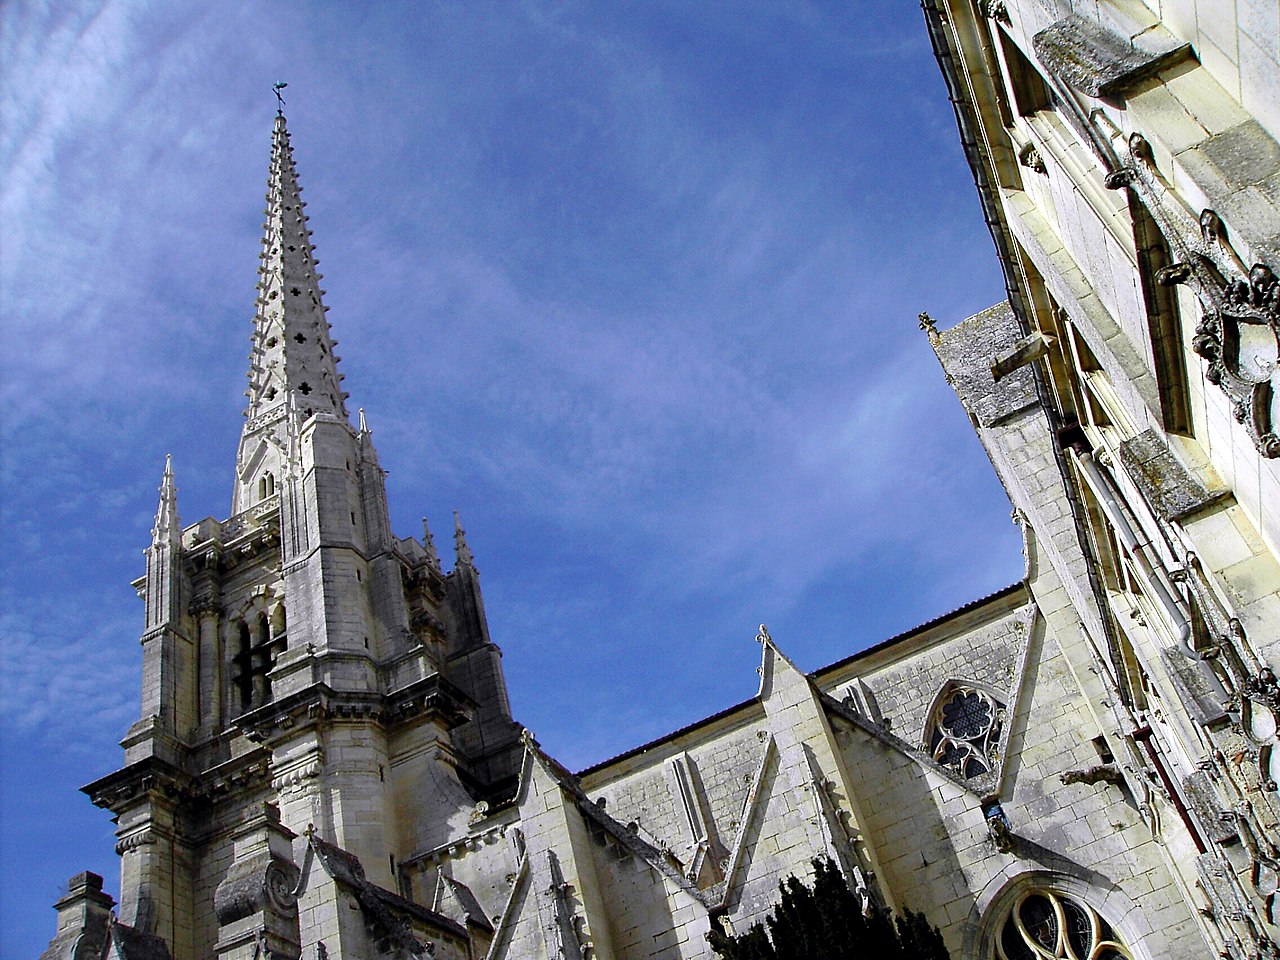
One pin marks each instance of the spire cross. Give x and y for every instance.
(276, 88)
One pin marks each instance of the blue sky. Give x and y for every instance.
(632, 286)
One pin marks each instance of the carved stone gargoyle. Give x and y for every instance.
(1239, 331)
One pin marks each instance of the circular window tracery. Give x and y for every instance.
(966, 730)
(1046, 925)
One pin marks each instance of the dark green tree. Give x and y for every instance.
(826, 922)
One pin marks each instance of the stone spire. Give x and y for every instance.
(293, 371)
(292, 349)
(168, 528)
(460, 542)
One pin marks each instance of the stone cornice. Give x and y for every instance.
(147, 777)
(151, 777)
(429, 698)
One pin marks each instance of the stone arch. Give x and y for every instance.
(986, 920)
(278, 621)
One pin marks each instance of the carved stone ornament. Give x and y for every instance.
(259, 884)
(1029, 156)
(999, 830)
(1239, 332)
(1260, 723)
(996, 10)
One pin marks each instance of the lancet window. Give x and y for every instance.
(266, 485)
(964, 729)
(259, 641)
(1046, 925)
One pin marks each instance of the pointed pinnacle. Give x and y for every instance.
(363, 426)
(167, 527)
(429, 543)
(460, 541)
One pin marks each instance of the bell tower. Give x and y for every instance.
(311, 681)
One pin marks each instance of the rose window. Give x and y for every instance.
(966, 731)
(1044, 925)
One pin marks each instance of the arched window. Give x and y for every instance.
(1044, 924)
(963, 732)
(242, 661)
(266, 485)
(258, 642)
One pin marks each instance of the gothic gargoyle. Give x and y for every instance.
(1101, 773)
(999, 830)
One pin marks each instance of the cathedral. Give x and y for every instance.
(1082, 766)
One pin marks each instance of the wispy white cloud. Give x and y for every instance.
(70, 685)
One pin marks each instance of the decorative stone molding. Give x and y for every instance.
(144, 837)
(205, 605)
(252, 773)
(432, 697)
(455, 849)
(293, 776)
(150, 777)
(266, 419)
(1239, 333)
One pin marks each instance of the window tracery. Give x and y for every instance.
(965, 730)
(1046, 925)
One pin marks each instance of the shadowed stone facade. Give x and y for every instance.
(1081, 764)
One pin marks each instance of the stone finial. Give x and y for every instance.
(429, 544)
(460, 541)
(928, 324)
(167, 528)
(364, 427)
(763, 635)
